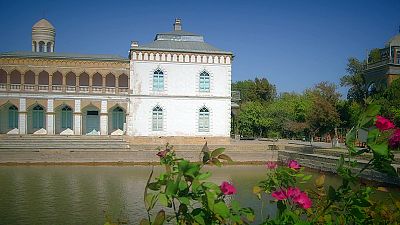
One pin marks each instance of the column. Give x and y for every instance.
(36, 82)
(77, 83)
(50, 117)
(116, 85)
(50, 82)
(103, 118)
(77, 117)
(8, 81)
(22, 116)
(104, 84)
(90, 83)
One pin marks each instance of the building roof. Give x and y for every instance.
(43, 23)
(180, 41)
(394, 41)
(54, 55)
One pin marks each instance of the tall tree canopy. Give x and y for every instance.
(354, 79)
(259, 90)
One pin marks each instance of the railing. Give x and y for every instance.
(84, 89)
(56, 88)
(70, 89)
(110, 90)
(43, 87)
(15, 87)
(63, 88)
(123, 90)
(97, 89)
(29, 87)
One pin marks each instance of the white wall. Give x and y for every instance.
(180, 116)
(180, 100)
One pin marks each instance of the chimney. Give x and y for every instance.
(177, 25)
(134, 44)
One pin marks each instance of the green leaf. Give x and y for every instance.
(307, 177)
(216, 162)
(206, 157)
(150, 200)
(183, 165)
(225, 157)
(332, 195)
(373, 110)
(172, 188)
(210, 199)
(160, 218)
(184, 200)
(182, 185)
(381, 149)
(235, 205)
(155, 186)
(205, 148)
(320, 181)
(193, 170)
(204, 176)
(199, 219)
(361, 202)
(217, 152)
(162, 198)
(221, 209)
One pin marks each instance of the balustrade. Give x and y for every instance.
(62, 88)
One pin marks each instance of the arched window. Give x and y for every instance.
(41, 46)
(12, 117)
(123, 81)
(157, 119)
(15, 77)
(57, 78)
(204, 82)
(29, 77)
(3, 76)
(97, 80)
(110, 80)
(84, 80)
(34, 46)
(204, 120)
(48, 46)
(70, 79)
(38, 117)
(43, 78)
(66, 117)
(118, 117)
(158, 80)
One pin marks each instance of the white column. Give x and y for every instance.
(77, 117)
(103, 118)
(50, 117)
(22, 116)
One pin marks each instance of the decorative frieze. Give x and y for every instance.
(181, 57)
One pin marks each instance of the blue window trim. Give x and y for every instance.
(204, 120)
(204, 82)
(157, 119)
(158, 80)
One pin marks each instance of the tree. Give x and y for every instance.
(259, 90)
(354, 79)
(253, 120)
(389, 99)
(323, 117)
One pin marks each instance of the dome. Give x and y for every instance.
(43, 23)
(394, 41)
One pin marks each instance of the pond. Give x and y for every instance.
(87, 194)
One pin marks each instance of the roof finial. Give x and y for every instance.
(177, 24)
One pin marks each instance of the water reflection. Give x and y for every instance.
(86, 194)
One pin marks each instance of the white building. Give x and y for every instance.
(176, 88)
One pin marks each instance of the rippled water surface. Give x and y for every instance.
(87, 194)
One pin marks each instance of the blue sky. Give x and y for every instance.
(294, 44)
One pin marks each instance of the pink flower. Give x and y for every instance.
(227, 188)
(293, 192)
(279, 195)
(271, 165)
(383, 124)
(394, 140)
(303, 200)
(293, 164)
(162, 154)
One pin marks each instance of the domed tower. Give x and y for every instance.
(43, 36)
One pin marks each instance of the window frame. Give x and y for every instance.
(204, 120)
(158, 80)
(157, 119)
(204, 82)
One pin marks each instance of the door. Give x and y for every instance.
(92, 121)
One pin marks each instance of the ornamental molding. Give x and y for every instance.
(201, 58)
